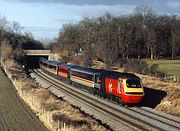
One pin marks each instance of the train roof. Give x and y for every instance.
(55, 63)
(44, 60)
(87, 70)
(111, 74)
(67, 65)
(117, 75)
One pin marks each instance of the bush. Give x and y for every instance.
(6, 51)
(88, 59)
(135, 65)
(140, 66)
(19, 56)
(77, 60)
(153, 70)
(65, 59)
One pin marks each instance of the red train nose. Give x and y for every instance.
(132, 99)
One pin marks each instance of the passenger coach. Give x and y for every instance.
(87, 77)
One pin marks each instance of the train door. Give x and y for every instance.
(97, 81)
(120, 87)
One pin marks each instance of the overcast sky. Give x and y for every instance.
(44, 18)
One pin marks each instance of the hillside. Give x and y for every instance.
(164, 94)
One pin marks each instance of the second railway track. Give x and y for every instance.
(116, 116)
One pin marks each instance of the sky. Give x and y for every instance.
(44, 18)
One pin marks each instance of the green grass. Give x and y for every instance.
(168, 66)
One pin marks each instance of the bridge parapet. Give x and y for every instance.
(37, 52)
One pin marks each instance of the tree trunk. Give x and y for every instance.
(123, 55)
(172, 55)
(173, 44)
(138, 57)
(152, 55)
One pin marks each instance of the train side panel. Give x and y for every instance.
(63, 72)
(52, 70)
(82, 78)
(114, 86)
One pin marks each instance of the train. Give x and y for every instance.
(124, 88)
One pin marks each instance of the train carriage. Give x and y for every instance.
(64, 70)
(50, 66)
(43, 63)
(86, 76)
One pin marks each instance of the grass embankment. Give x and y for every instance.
(164, 94)
(56, 114)
(171, 67)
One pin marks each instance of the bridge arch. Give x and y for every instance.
(33, 56)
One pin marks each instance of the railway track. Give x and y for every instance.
(116, 116)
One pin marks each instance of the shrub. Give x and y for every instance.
(6, 51)
(88, 59)
(153, 69)
(43, 94)
(65, 59)
(135, 65)
(77, 60)
(140, 66)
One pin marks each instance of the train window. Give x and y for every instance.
(133, 83)
(96, 78)
(52, 67)
(45, 64)
(83, 75)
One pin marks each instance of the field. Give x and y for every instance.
(171, 67)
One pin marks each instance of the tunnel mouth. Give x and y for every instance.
(32, 62)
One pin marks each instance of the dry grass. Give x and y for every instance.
(53, 112)
(10, 63)
(171, 102)
(43, 94)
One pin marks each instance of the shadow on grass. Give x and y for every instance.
(152, 97)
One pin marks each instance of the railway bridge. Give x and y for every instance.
(33, 56)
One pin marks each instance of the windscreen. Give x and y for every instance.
(133, 83)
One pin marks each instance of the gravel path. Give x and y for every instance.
(15, 115)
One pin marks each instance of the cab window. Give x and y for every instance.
(133, 83)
